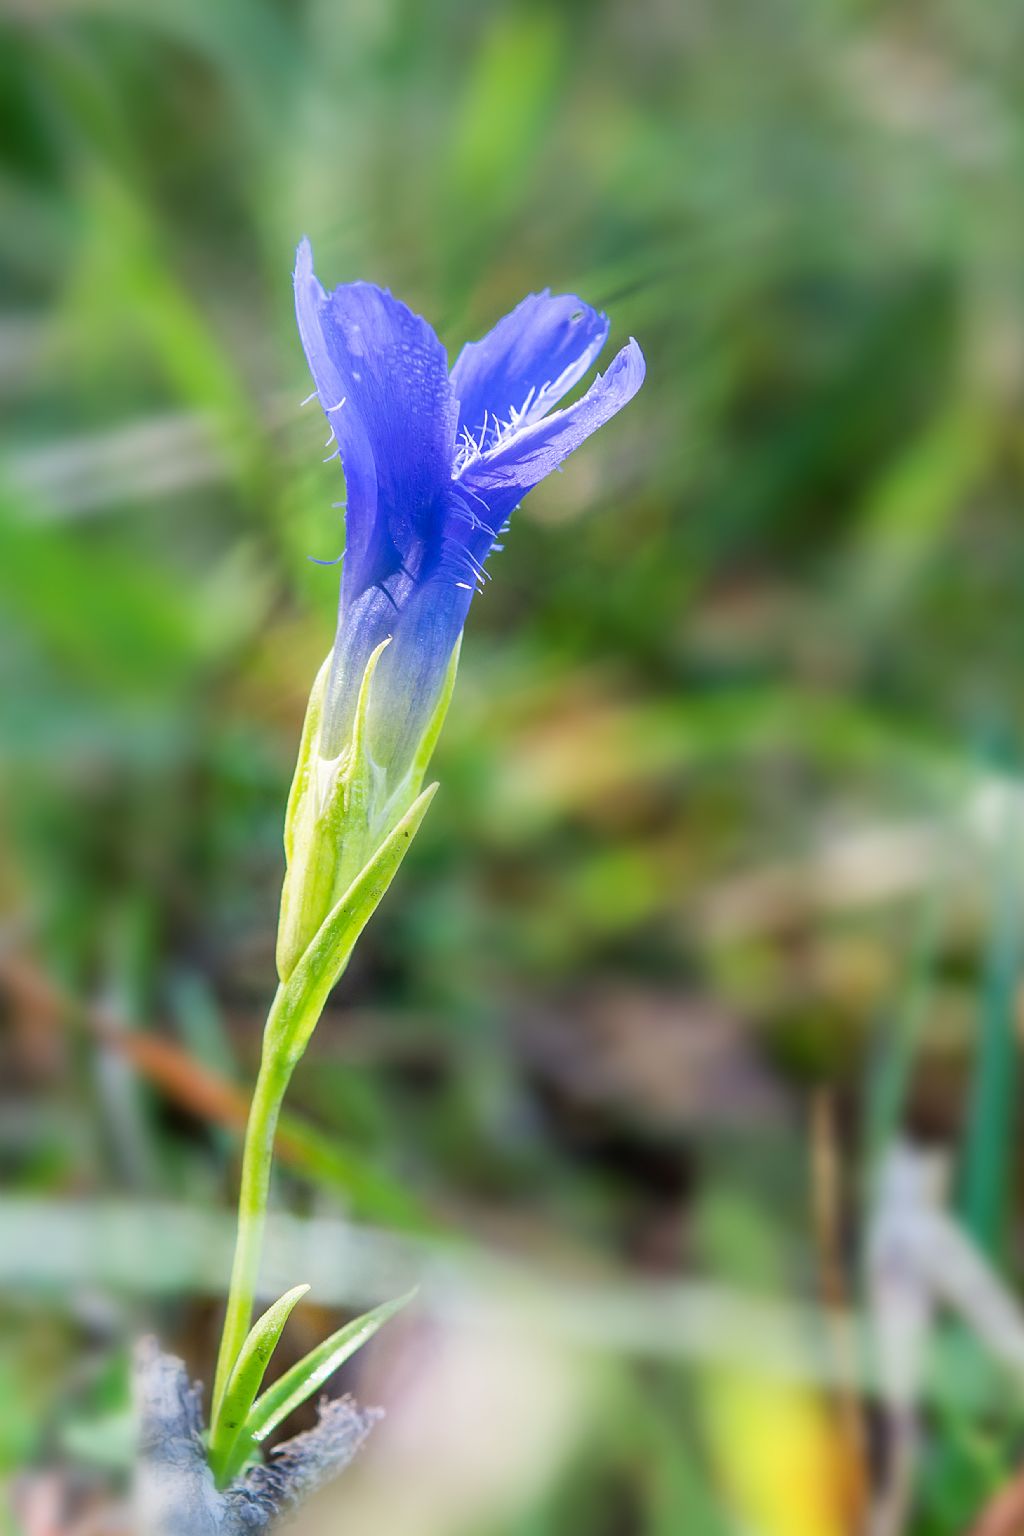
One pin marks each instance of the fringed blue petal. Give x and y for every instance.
(331, 372)
(494, 484)
(522, 368)
(382, 378)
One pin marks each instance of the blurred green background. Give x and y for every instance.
(721, 895)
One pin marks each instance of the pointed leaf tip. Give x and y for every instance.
(304, 1378)
(244, 1383)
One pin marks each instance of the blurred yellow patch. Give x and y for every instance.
(784, 1466)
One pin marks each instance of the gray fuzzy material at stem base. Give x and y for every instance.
(175, 1494)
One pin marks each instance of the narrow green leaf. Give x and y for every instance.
(309, 985)
(245, 1380)
(292, 1389)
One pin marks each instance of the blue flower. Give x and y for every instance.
(435, 463)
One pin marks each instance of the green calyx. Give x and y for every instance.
(340, 813)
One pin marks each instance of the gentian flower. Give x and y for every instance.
(435, 463)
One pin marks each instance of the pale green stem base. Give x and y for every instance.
(274, 1075)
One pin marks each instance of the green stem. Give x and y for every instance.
(275, 1072)
(297, 1006)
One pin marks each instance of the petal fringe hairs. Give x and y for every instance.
(435, 463)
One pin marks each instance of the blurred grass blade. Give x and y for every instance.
(370, 1192)
(292, 1389)
(913, 509)
(497, 127)
(245, 1381)
(989, 1147)
(115, 621)
(900, 1036)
